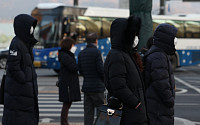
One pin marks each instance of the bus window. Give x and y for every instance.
(106, 23)
(90, 24)
(156, 23)
(192, 29)
(49, 31)
(66, 27)
(179, 25)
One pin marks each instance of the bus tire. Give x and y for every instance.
(173, 60)
(57, 70)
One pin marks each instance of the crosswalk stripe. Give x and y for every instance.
(50, 106)
(57, 115)
(54, 95)
(56, 106)
(57, 110)
(56, 102)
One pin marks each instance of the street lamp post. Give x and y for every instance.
(162, 7)
(75, 2)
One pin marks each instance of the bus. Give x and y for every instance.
(56, 20)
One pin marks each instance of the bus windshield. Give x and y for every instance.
(49, 31)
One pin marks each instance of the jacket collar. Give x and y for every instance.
(91, 45)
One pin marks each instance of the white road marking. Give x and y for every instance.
(183, 121)
(187, 84)
(188, 94)
(181, 90)
(57, 110)
(56, 115)
(187, 104)
(57, 102)
(46, 120)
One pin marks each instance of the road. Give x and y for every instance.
(187, 105)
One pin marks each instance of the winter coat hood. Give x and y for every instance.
(123, 32)
(22, 26)
(164, 38)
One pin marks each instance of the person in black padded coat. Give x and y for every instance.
(123, 79)
(90, 64)
(21, 90)
(159, 77)
(69, 89)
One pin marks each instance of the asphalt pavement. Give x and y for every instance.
(178, 121)
(186, 107)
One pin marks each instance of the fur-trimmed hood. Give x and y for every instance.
(123, 32)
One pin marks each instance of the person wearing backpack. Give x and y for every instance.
(159, 78)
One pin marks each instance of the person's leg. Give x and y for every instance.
(64, 113)
(88, 110)
(98, 100)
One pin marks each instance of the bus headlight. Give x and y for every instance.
(53, 54)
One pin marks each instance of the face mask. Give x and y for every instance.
(135, 43)
(175, 41)
(73, 49)
(31, 30)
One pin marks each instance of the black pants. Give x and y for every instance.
(64, 113)
(91, 100)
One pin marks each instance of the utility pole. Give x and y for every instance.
(162, 7)
(75, 2)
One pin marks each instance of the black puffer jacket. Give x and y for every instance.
(159, 77)
(21, 92)
(122, 76)
(69, 89)
(91, 67)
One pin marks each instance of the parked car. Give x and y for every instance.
(3, 57)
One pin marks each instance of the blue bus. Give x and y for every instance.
(56, 20)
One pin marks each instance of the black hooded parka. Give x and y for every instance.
(122, 76)
(21, 91)
(159, 77)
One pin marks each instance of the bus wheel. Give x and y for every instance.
(57, 70)
(173, 62)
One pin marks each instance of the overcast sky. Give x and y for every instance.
(10, 8)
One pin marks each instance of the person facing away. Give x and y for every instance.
(21, 90)
(122, 75)
(69, 89)
(159, 77)
(91, 68)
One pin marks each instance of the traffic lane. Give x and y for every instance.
(187, 106)
(47, 77)
(187, 102)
